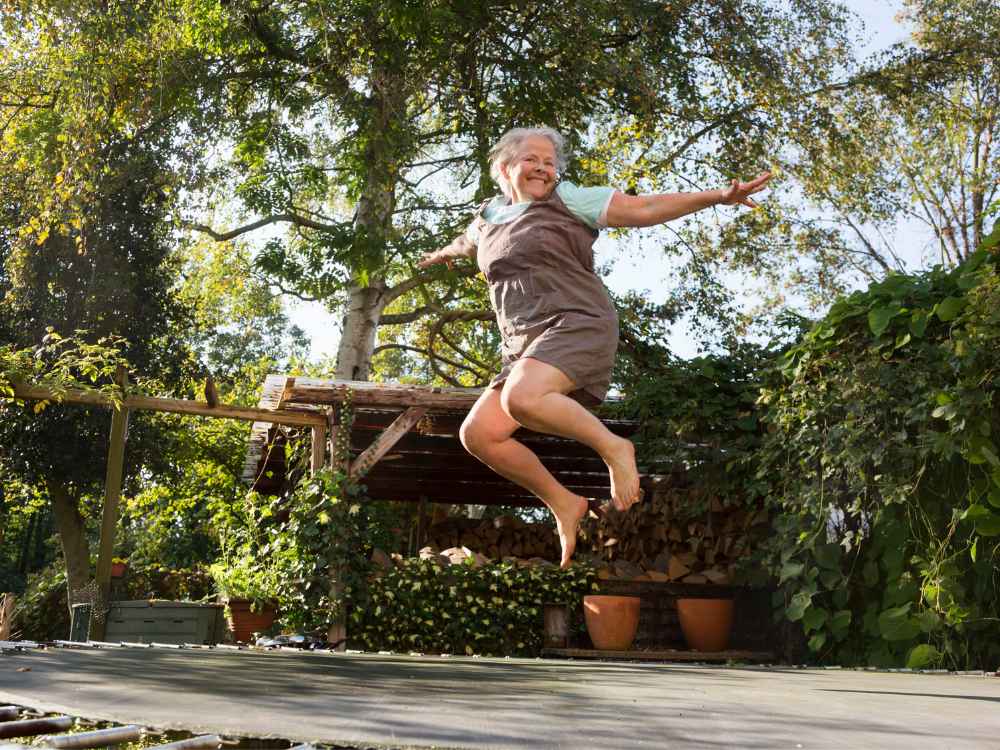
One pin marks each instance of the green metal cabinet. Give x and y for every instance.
(161, 621)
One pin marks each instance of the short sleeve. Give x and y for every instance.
(588, 204)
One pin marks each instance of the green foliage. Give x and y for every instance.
(493, 610)
(41, 613)
(243, 570)
(880, 466)
(324, 548)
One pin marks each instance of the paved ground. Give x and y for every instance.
(398, 701)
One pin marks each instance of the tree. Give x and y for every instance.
(915, 145)
(86, 171)
(364, 127)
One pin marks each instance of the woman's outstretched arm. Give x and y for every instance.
(460, 247)
(648, 210)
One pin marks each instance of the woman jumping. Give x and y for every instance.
(534, 245)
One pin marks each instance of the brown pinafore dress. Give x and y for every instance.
(550, 305)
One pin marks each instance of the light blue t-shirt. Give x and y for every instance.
(588, 204)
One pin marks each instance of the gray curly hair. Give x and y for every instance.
(508, 146)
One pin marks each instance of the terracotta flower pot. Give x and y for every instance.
(244, 622)
(706, 623)
(611, 621)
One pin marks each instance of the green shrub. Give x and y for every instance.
(493, 610)
(41, 612)
(881, 468)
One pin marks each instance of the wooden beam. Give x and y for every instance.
(384, 442)
(382, 395)
(318, 458)
(172, 405)
(109, 516)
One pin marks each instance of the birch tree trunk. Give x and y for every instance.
(373, 226)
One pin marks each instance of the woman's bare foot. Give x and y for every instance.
(567, 523)
(624, 474)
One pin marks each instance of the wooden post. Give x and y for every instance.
(109, 518)
(318, 448)
(337, 632)
(421, 511)
(331, 436)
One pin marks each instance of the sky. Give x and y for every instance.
(634, 266)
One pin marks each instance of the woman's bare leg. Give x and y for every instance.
(486, 434)
(534, 395)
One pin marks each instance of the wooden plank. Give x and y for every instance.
(172, 405)
(383, 396)
(542, 445)
(109, 515)
(446, 422)
(449, 494)
(390, 468)
(488, 485)
(384, 442)
(661, 655)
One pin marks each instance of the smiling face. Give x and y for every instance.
(532, 172)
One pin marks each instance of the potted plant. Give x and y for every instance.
(118, 567)
(249, 591)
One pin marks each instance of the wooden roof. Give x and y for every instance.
(428, 461)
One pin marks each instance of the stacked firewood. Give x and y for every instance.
(496, 538)
(679, 534)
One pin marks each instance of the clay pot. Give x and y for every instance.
(244, 622)
(706, 623)
(611, 621)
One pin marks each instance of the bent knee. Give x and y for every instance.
(518, 402)
(475, 437)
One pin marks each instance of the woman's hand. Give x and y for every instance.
(740, 192)
(460, 247)
(432, 259)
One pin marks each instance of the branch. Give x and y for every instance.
(301, 221)
(413, 282)
(452, 316)
(431, 356)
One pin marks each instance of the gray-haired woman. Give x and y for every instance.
(559, 328)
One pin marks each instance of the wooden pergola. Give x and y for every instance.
(404, 444)
(116, 449)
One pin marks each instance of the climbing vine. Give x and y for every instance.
(880, 467)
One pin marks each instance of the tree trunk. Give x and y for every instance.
(357, 338)
(373, 225)
(73, 538)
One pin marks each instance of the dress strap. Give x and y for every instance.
(557, 200)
